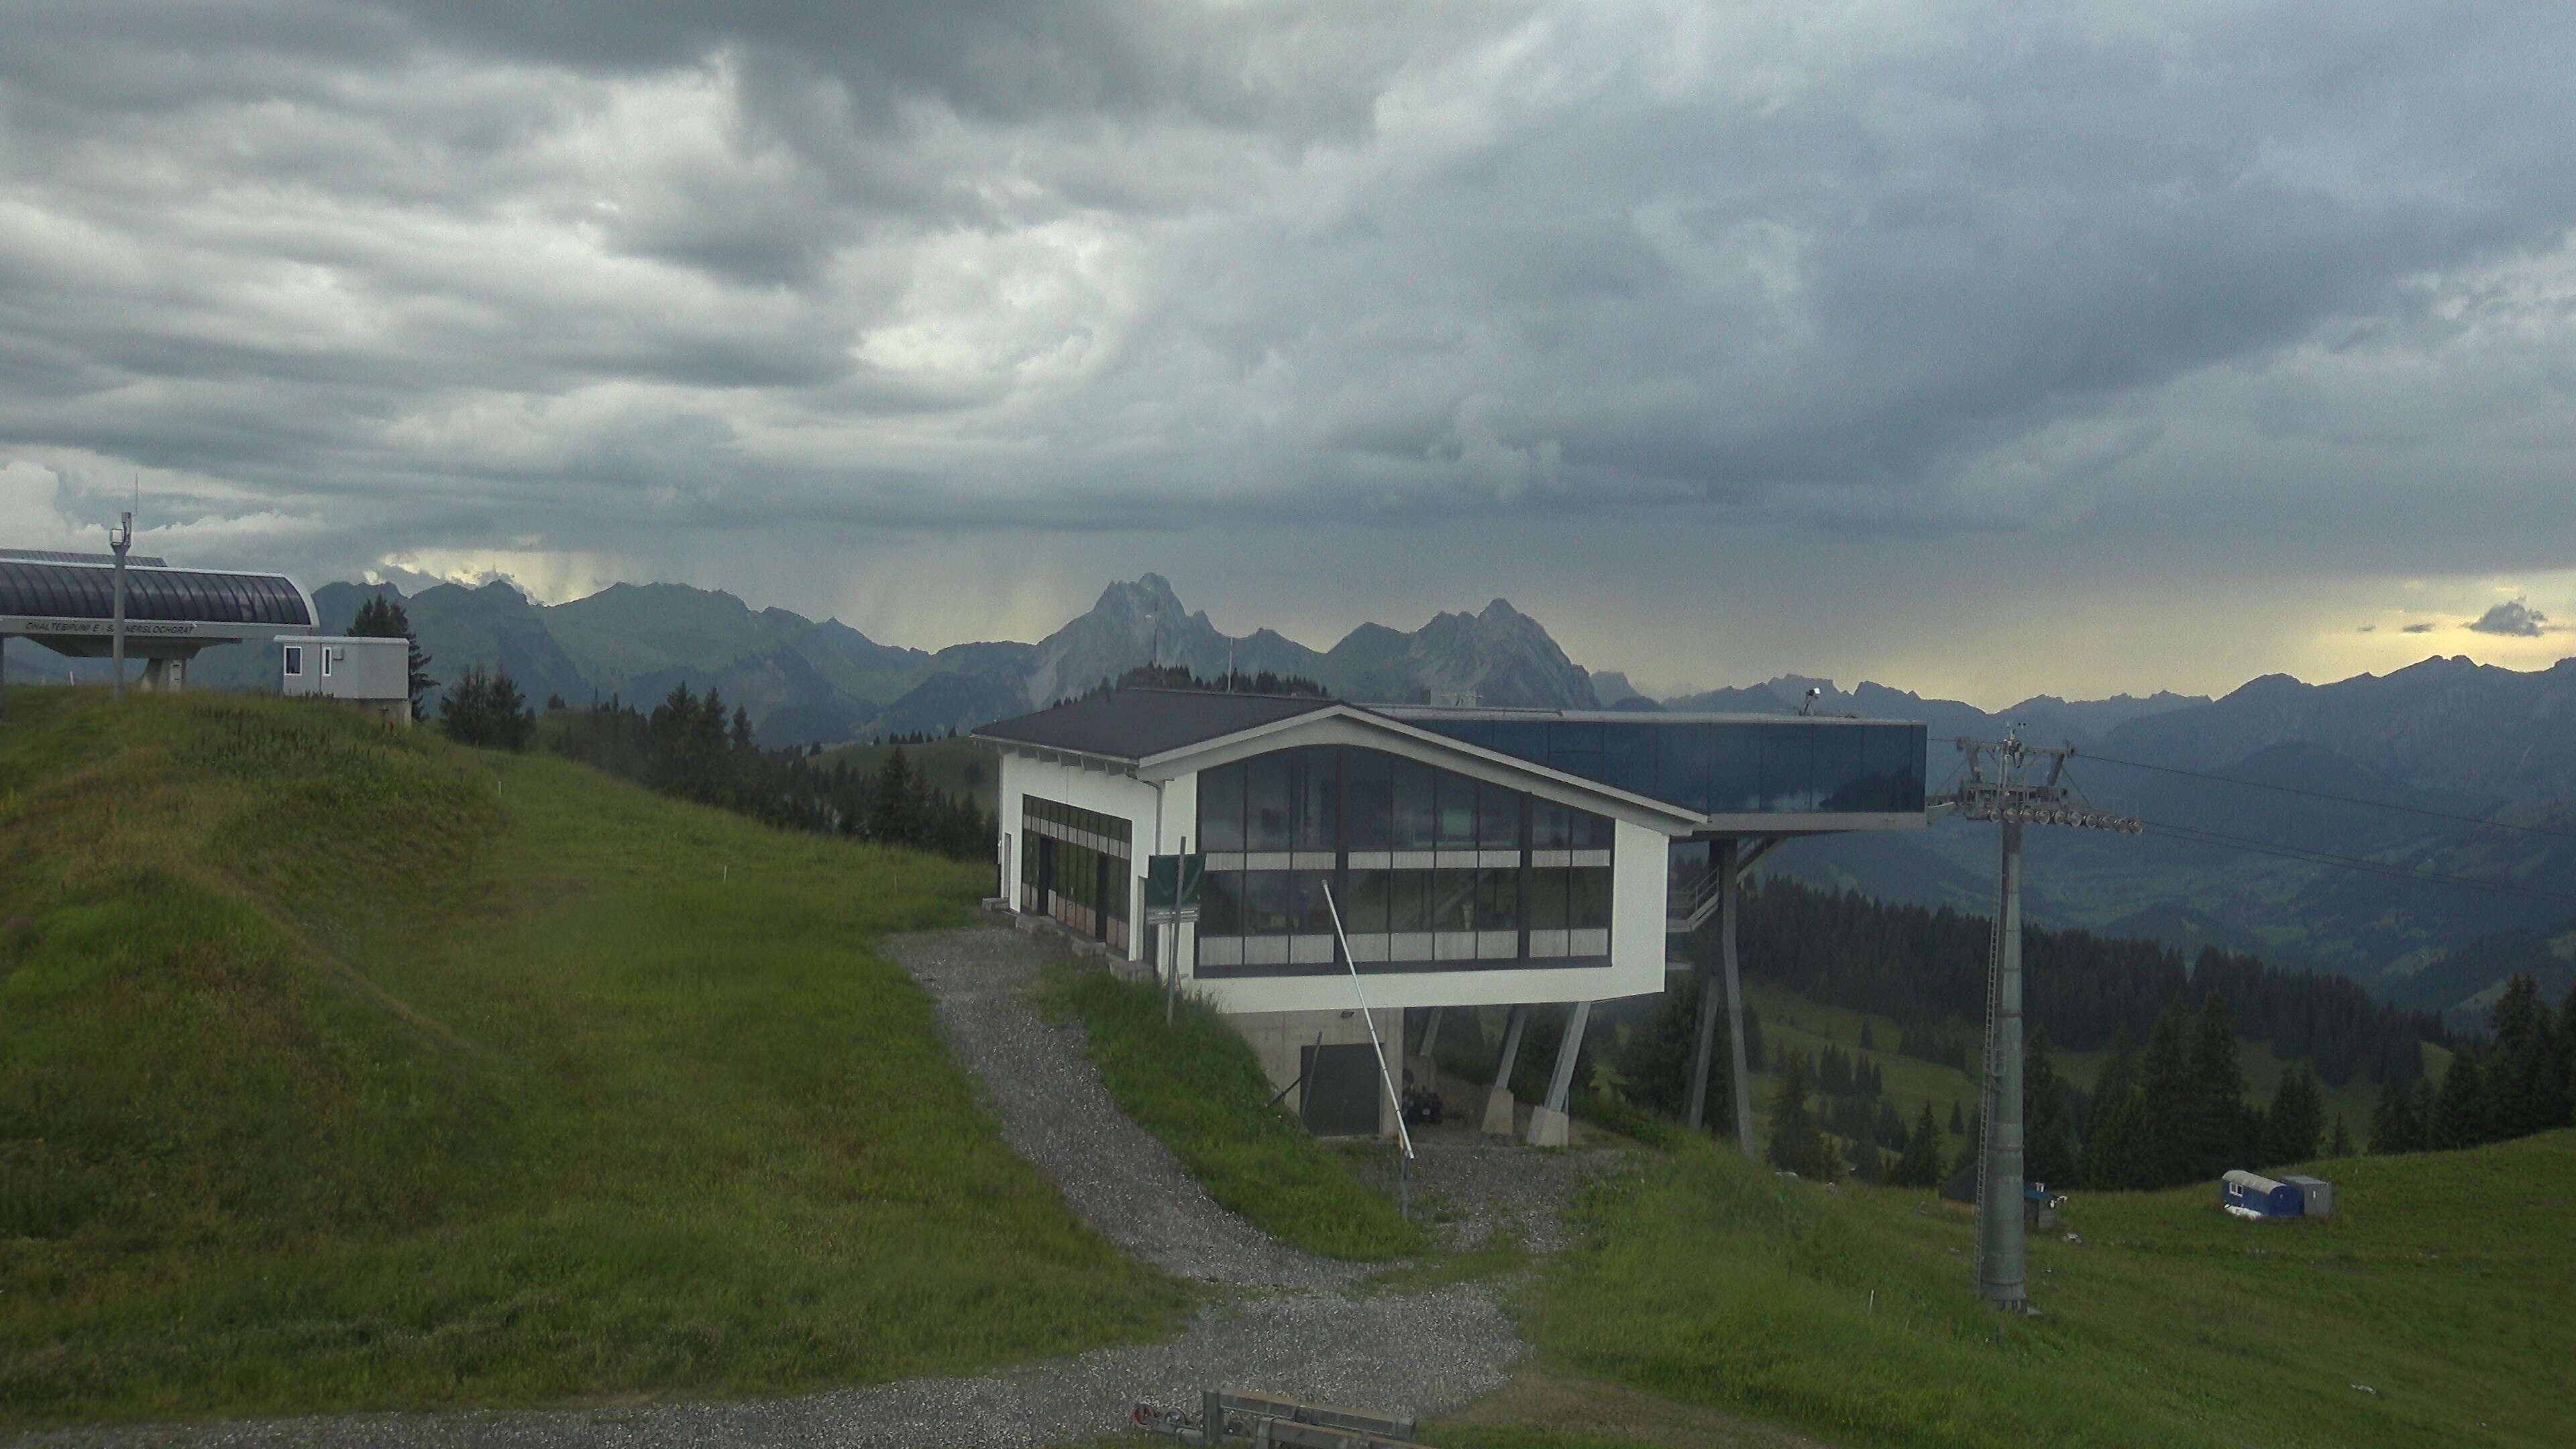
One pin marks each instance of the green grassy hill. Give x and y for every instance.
(341, 1068)
(2428, 1311)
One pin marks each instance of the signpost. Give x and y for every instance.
(1171, 898)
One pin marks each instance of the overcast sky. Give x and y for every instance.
(1982, 349)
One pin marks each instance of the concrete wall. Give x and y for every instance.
(1278, 1036)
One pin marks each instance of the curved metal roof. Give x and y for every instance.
(37, 590)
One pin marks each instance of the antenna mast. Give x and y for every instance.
(2014, 785)
(121, 538)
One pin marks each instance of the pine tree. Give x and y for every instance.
(1655, 1063)
(2048, 1137)
(2342, 1144)
(2464, 1114)
(2295, 1120)
(2114, 1134)
(2219, 1132)
(382, 618)
(1797, 1144)
(1919, 1165)
(2167, 1120)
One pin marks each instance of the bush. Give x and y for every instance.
(486, 709)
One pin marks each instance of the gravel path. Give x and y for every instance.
(1117, 1177)
(1299, 1332)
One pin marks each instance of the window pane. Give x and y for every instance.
(1415, 815)
(1788, 765)
(1457, 801)
(1551, 826)
(1265, 903)
(1628, 758)
(1370, 796)
(1221, 808)
(1839, 784)
(1308, 914)
(1453, 900)
(1498, 898)
(1408, 901)
(1498, 818)
(1318, 797)
(1588, 897)
(1547, 899)
(1591, 832)
(1734, 768)
(1266, 803)
(1366, 909)
(1221, 903)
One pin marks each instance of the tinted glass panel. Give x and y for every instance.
(1308, 914)
(1498, 818)
(1318, 786)
(1498, 898)
(1838, 783)
(1365, 910)
(1734, 768)
(1369, 795)
(1788, 767)
(1457, 802)
(1592, 832)
(1453, 900)
(1266, 803)
(1266, 903)
(1221, 808)
(1588, 897)
(1221, 903)
(1523, 738)
(1408, 900)
(1416, 811)
(1628, 761)
(1547, 899)
(1551, 826)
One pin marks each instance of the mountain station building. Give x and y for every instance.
(67, 602)
(1528, 858)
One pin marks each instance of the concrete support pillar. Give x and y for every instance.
(1421, 1063)
(1550, 1126)
(1721, 858)
(1498, 1102)
(156, 675)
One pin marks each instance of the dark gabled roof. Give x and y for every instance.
(87, 591)
(1134, 724)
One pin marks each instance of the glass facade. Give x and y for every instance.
(1076, 866)
(1720, 767)
(1431, 869)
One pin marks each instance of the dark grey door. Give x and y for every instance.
(1341, 1092)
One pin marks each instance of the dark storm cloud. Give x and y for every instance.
(440, 272)
(2513, 617)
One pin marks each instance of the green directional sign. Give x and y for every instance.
(1172, 884)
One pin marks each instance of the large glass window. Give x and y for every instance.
(1551, 826)
(1267, 906)
(1498, 818)
(1498, 898)
(1308, 913)
(1457, 805)
(1221, 904)
(1369, 789)
(1546, 906)
(1453, 900)
(1408, 900)
(1266, 803)
(1221, 808)
(1588, 897)
(1317, 786)
(1416, 815)
(1365, 910)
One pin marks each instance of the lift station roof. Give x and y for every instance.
(67, 602)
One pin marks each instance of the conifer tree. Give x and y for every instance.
(1797, 1143)
(2463, 1115)
(2048, 1137)
(2167, 1125)
(2114, 1135)
(2219, 1132)
(2296, 1118)
(2342, 1144)
(1958, 1122)
(1919, 1165)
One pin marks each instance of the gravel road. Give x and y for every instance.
(1296, 1330)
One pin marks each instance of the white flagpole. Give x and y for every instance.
(1374, 1044)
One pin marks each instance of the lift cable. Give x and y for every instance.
(2339, 799)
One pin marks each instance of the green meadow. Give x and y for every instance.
(342, 1068)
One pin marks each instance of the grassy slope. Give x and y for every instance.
(1196, 1085)
(341, 1069)
(2440, 1285)
(943, 763)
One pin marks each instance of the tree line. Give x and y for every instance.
(2521, 1080)
(1927, 969)
(693, 747)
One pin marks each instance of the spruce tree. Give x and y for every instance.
(2342, 1144)
(1797, 1144)
(1958, 1121)
(1919, 1165)
(2296, 1119)
(2168, 1123)
(2048, 1138)
(2464, 1114)
(2220, 1132)
(2114, 1136)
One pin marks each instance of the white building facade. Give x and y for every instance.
(1473, 857)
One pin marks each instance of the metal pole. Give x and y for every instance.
(1730, 891)
(1172, 977)
(1705, 1042)
(120, 540)
(1375, 1045)
(2000, 1272)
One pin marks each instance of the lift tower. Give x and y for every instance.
(2014, 785)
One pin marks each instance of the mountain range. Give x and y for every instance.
(2446, 768)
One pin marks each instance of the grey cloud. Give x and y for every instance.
(444, 271)
(2419, 628)
(2513, 617)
